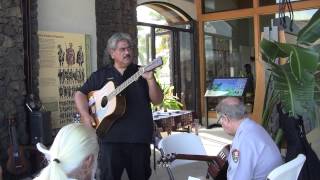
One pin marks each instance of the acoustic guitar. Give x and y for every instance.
(215, 163)
(107, 105)
(17, 164)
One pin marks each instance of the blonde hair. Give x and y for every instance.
(73, 143)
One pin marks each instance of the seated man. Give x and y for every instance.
(73, 154)
(253, 154)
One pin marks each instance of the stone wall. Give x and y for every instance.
(12, 77)
(114, 16)
(111, 16)
(34, 48)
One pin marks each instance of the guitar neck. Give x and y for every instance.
(154, 64)
(14, 141)
(196, 157)
(126, 83)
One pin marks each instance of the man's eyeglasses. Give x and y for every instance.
(219, 116)
(125, 49)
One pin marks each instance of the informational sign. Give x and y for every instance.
(64, 66)
(226, 87)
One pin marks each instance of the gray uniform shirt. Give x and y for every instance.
(253, 154)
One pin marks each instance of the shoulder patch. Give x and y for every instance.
(235, 155)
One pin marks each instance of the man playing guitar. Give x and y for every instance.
(129, 137)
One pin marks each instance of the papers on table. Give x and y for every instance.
(170, 113)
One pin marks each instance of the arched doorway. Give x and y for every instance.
(165, 30)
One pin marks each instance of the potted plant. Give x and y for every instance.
(294, 83)
(169, 100)
(293, 87)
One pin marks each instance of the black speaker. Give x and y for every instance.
(40, 127)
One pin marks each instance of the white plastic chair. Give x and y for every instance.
(289, 170)
(184, 143)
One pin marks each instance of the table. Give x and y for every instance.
(172, 120)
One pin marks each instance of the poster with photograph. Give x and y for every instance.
(226, 87)
(64, 66)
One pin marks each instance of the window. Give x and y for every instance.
(218, 5)
(229, 52)
(301, 18)
(261, 17)
(272, 2)
(166, 31)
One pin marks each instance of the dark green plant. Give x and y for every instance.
(294, 84)
(169, 100)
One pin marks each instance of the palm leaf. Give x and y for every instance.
(293, 94)
(311, 32)
(270, 102)
(270, 50)
(278, 137)
(301, 59)
(295, 83)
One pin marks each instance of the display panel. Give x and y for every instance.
(227, 87)
(64, 60)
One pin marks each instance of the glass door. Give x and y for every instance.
(176, 49)
(163, 48)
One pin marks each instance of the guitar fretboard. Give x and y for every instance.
(155, 63)
(195, 157)
(125, 84)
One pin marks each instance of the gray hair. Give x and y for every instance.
(115, 38)
(232, 107)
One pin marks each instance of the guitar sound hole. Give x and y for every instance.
(104, 101)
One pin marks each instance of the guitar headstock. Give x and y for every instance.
(165, 160)
(154, 64)
(224, 153)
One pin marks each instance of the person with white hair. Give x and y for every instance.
(73, 154)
